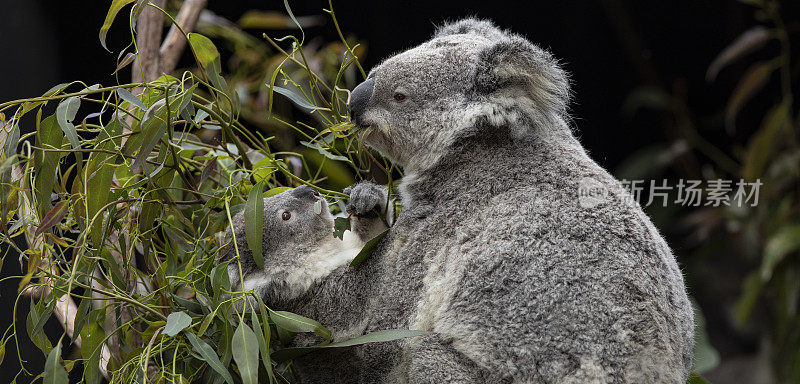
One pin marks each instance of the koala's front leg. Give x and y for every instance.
(367, 207)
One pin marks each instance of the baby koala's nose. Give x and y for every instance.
(305, 192)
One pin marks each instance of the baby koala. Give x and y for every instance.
(299, 247)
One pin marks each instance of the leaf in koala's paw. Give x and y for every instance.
(340, 225)
(176, 322)
(368, 248)
(254, 222)
(295, 323)
(318, 207)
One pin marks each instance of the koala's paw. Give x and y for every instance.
(366, 199)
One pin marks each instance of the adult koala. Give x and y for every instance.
(493, 253)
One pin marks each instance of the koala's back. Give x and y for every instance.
(527, 285)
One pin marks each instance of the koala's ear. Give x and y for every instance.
(472, 25)
(514, 68)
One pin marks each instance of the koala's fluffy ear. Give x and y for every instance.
(483, 28)
(519, 75)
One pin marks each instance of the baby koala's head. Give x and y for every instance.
(293, 231)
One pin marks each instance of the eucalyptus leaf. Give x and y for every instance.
(245, 353)
(295, 323)
(11, 140)
(92, 336)
(54, 372)
(116, 5)
(209, 356)
(176, 322)
(296, 98)
(65, 114)
(374, 337)
(784, 241)
(254, 222)
(126, 95)
(324, 151)
(366, 251)
(50, 136)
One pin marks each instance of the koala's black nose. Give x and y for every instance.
(305, 192)
(359, 98)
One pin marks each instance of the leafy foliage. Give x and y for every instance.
(124, 207)
(760, 243)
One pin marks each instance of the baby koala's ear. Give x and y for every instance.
(484, 28)
(513, 67)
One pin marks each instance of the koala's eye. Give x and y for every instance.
(286, 215)
(399, 96)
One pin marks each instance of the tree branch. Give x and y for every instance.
(149, 28)
(175, 42)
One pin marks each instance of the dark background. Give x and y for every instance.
(610, 47)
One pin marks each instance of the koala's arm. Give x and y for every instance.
(367, 207)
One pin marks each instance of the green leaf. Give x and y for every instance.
(92, 336)
(368, 248)
(275, 191)
(100, 170)
(706, 356)
(779, 244)
(696, 379)
(324, 152)
(220, 281)
(749, 41)
(245, 353)
(176, 322)
(374, 337)
(751, 291)
(65, 114)
(759, 148)
(753, 80)
(254, 222)
(50, 136)
(295, 323)
(126, 95)
(204, 50)
(378, 337)
(80, 315)
(296, 98)
(37, 337)
(155, 127)
(53, 217)
(209, 356)
(54, 372)
(272, 20)
(265, 339)
(263, 344)
(116, 5)
(340, 225)
(11, 140)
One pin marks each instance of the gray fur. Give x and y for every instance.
(492, 252)
(300, 251)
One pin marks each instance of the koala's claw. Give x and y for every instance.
(366, 199)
